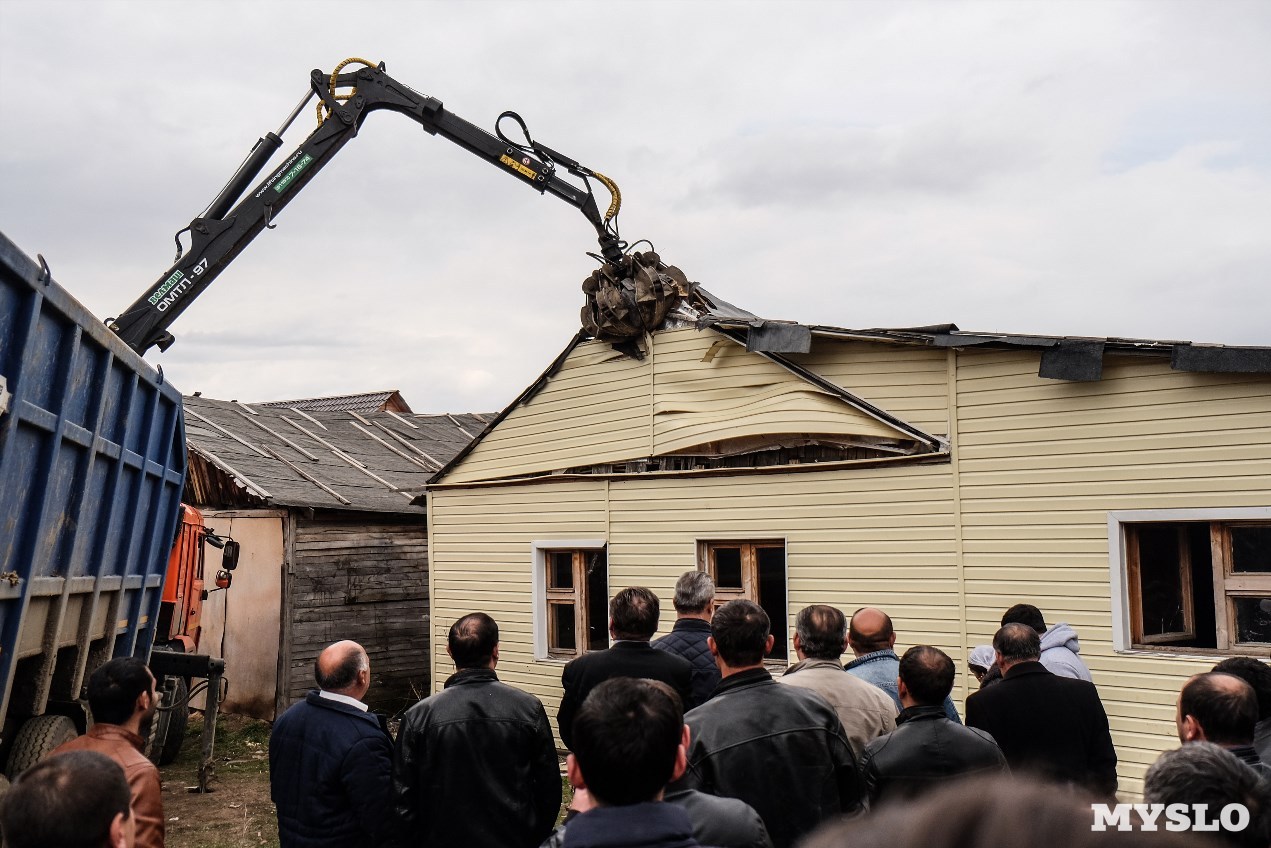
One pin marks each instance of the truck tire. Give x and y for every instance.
(36, 738)
(170, 724)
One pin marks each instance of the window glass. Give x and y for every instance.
(561, 622)
(728, 568)
(1251, 548)
(597, 601)
(1253, 619)
(1161, 577)
(560, 570)
(772, 595)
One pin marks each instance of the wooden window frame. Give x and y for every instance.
(749, 565)
(547, 597)
(576, 594)
(1127, 625)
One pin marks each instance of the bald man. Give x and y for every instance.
(872, 639)
(331, 760)
(1223, 709)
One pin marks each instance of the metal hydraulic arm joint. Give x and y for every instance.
(234, 217)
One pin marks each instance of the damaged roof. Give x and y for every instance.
(256, 455)
(390, 400)
(1074, 358)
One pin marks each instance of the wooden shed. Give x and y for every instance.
(1123, 486)
(332, 546)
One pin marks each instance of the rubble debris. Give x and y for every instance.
(627, 299)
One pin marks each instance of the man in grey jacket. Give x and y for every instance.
(1059, 643)
(820, 637)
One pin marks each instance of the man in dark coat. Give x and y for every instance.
(1220, 708)
(694, 599)
(781, 749)
(476, 762)
(330, 760)
(633, 619)
(926, 748)
(1054, 727)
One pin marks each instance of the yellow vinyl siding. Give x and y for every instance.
(694, 387)
(910, 383)
(1043, 462)
(1038, 465)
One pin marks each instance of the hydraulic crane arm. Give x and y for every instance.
(230, 224)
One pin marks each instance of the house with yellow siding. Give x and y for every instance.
(1122, 486)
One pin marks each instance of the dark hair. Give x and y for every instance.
(740, 629)
(1254, 672)
(1017, 643)
(634, 612)
(68, 800)
(626, 735)
(867, 643)
(113, 689)
(821, 629)
(928, 674)
(1205, 773)
(989, 813)
(694, 591)
(472, 640)
(1223, 705)
(344, 673)
(1025, 614)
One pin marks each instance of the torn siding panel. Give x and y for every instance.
(910, 382)
(707, 393)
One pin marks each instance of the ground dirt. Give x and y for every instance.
(237, 813)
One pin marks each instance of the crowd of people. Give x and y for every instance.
(690, 740)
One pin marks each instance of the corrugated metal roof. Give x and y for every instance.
(259, 455)
(390, 399)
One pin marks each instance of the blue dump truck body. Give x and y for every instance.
(92, 466)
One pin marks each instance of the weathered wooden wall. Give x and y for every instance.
(362, 577)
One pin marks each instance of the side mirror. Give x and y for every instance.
(229, 557)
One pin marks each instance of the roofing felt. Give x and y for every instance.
(364, 402)
(256, 455)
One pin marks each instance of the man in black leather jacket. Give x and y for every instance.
(781, 749)
(475, 763)
(926, 748)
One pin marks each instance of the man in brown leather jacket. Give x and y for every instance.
(121, 694)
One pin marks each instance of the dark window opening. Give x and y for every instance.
(755, 571)
(577, 594)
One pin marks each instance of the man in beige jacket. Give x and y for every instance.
(820, 638)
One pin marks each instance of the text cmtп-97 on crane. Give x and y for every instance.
(627, 296)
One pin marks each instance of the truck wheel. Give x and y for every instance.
(36, 738)
(169, 725)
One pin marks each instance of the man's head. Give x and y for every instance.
(1254, 672)
(629, 741)
(474, 641)
(633, 614)
(1016, 643)
(926, 676)
(870, 631)
(820, 632)
(78, 799)
(343, 669)
(1205, 773)
(694, 592)
(1025, 614)
(741, 635)
(1216, 707)
(122, 692)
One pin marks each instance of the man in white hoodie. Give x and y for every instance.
(1059, 643)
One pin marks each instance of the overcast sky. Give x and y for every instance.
(1082, 168)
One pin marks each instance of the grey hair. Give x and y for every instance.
(1205, 773)
(694, 591)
